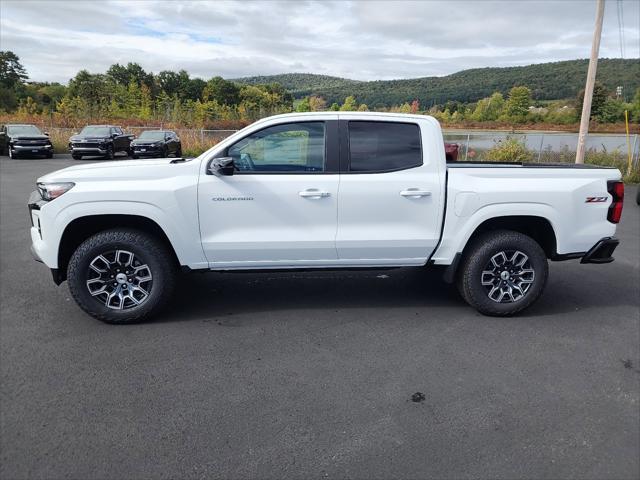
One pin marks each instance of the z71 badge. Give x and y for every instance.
(596, 199)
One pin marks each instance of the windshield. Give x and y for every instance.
(152, 135)
(23, 130)
(97, 131)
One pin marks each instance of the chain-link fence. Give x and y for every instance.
(544, 147)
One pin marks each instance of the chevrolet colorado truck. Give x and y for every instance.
(319, 191)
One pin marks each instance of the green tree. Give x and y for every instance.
(350, 104)
(517, 106)
(635, 107)
(488, 109)
(612, 111)
(303, 105)
(222, 91)
(174, 83)
(132, 72)
(334, 107)
(12, 72)
(598, 100)
(8, 99)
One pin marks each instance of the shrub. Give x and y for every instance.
(509, 150)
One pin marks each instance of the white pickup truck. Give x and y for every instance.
(319, 191)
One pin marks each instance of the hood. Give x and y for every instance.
(125, 170)
(29, 137)
(138, 141)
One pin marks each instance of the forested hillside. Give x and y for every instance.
(547, 81)
(298, 84)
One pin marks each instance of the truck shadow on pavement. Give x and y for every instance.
(212, 296)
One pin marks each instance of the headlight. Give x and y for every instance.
(51, 191)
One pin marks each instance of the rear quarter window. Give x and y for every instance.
(384, 146)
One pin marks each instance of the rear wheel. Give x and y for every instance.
(121, 276)
(502, 273)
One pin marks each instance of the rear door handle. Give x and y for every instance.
(314, 193)
(415, 192)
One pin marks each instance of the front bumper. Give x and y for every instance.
(146, 151)
(32, 148)
(601, 252)
(89, 150)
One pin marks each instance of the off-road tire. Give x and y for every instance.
(49, 155)
(477, 257)
(151, 251)
(179, 152)
(76, 156)
(165, 152)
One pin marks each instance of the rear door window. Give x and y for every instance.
(383, 146)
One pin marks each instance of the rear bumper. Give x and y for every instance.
(601, 252)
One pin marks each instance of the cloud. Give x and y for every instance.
(358, 39)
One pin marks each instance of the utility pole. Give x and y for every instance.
(591, 79)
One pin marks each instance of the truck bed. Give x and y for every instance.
(479, 191)
(525, 165)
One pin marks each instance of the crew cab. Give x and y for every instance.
(324, 190)
(24, 140)
(100, 140)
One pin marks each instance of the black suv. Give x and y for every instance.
(100, 140)
(156, 143)
(24, 140)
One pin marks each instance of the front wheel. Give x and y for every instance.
(121, 276)
(502, 273)
(110, 154)
(76, 156)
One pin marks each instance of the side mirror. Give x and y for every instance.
(114, 135)
(221, 166)
(46, 133)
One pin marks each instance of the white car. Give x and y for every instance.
(319, 191)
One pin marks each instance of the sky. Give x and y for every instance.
(362, 40)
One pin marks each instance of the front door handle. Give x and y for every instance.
(415, 192)
(314, 193)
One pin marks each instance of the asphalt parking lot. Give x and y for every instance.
(310, 375)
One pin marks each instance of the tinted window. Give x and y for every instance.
(291, 147)
(97, 131)
(384, 146)
(23, 130)
(152, 135)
